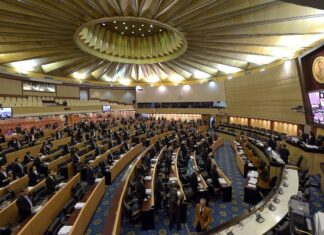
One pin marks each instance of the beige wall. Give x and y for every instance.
(37, 93)
(266, 95)
(10, 87)
(67, 91)
(123, 96)
(189, 93)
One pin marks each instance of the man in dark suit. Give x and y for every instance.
(284, 153)
(110, 159)
(17, 169)
(33, 176)
(140, 190)
(193, 181)
(27, 158)
(91, 175)
(24, 205)
(51, 182)
(175, 204)
(159, 191)
(4, 177)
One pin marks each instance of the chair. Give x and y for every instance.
(284, 229)
(298, 163)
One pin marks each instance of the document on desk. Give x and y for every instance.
(65, 230)
(148, 191)
(79, 205)
(148, 177)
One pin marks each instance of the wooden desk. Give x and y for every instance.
(85, 214)
(272, 218)
(39, 223)
(9, 214)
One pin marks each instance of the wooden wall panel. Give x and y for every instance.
(10, 87)
(266, 95)
(68, 91)
(123, 96)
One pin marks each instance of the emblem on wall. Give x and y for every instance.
(318, 69)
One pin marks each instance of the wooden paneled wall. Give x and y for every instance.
(269, 94)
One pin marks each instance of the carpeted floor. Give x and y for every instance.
(221, 212)
(98, 220)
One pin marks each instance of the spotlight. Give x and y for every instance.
(103, 24)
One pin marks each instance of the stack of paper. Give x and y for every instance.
(148, 177)
(221, 180)
(148, 191)
(79, 205)
(65, 230)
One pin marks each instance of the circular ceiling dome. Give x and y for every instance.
(130, 40)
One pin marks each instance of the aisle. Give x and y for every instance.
(98, 220)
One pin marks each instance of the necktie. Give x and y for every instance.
(29, 201)
(201, 210)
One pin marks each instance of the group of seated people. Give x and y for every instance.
(38, 169)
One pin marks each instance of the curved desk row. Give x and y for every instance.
(225, 182)
(17, 185)
(247, 224)
(114, 216)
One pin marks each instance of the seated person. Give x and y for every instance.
(110, 159)
(91, 175)
(33, 176)
(27, 158)
(4, 177)
(264, 178)
(140, 190)
(24, 205)
(51, 182)
(284, 153)
(17, 169)
(40, 165)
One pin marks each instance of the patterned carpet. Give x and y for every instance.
(221, 212)
(98, 220)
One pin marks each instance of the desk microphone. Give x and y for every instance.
(259, 218)
(280, 191)
(271, 207)
(276, 200)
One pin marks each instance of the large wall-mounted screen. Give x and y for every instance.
(106, 108)
(5, 113)
(311, 66)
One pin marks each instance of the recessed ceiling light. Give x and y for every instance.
(133, 26)
(149, 31)
(143, 35)
(142, 25)
(139, 29)
(160, 30)
(103, 24)
(126, 27)
(124, 22)
(122, 33)
(151, 26)
(229, 77)
(133, 32)
(116, 27)
(115, 21)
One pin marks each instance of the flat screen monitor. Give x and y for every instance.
(5, 113)
(106, 108)
(316, 100)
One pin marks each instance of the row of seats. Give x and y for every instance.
(35, 101)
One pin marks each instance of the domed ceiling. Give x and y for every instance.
(139, 42)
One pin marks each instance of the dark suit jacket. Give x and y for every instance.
(27, 159)
(17, 171)
(193, 182)
(4, 180)
(33, 178)
(140, 191)
(91, 176)
(51, 183)
(24, 208)
(75, 159)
